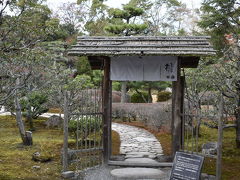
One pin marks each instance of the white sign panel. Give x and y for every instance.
(147, 68)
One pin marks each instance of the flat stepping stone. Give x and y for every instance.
(134, 156)
(141, 160)
(140, 155)
(137, 173)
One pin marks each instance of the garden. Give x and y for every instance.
(40, 82)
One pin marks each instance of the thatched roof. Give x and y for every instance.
(142, 45)
(187, 48)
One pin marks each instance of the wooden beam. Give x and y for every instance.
(96, 62)
(189, 61)
(106, 110)
(176, 112)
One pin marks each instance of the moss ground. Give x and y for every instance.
(16, 160)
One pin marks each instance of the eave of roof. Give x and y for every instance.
(142, 46)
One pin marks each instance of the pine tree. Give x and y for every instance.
(220, 17)
(124, 21)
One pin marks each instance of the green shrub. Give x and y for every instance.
(85, 125)
(116, 86)
(138, 98)
(35, 103)
(164, 96)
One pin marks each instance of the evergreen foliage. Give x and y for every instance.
(86, 126)
(163, 96)
(220, 17)
(139, 97)
(123, 21)
(34, 105)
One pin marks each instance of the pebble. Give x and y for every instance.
(68, 174)
(36, 167)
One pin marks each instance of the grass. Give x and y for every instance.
(231, 155)
(16, 160)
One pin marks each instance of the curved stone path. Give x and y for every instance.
(137, 141)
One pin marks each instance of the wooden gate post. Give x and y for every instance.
(65, 132)
(110, 120)
(176, 112)
(220, 139)
(106, 111)
(182, 79)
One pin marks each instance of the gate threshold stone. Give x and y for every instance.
(141, 160)
(140, 155)
(137, 164)
(137, 173)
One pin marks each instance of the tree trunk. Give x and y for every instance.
(19, 119)
(141, 94)
(26, 136)
(238, 124)
(124, 92)
(149, 95)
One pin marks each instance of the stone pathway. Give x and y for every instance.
(137, 142)
(139, 147)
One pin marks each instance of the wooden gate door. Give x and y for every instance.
(85, 130)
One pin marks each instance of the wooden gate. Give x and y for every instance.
(83, 127)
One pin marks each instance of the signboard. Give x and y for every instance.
(146, 68)
(186, 166)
